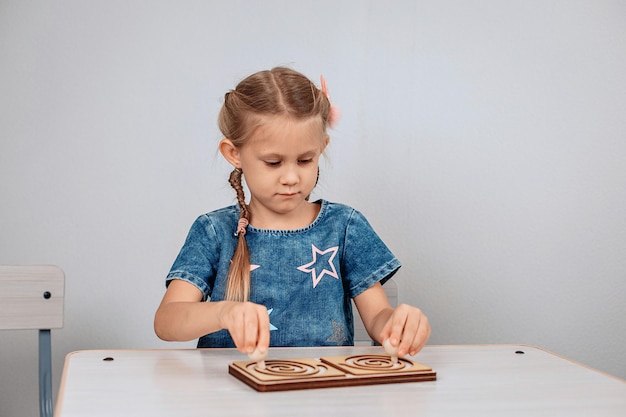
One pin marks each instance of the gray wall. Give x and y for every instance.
(484, 140)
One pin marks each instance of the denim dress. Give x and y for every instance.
(304, 277)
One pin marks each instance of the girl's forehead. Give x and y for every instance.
(283, 131)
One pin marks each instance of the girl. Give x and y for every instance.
(280, 270)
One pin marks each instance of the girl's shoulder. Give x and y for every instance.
(334, 208)
(223, 217)
(227, 212)
(338, 212)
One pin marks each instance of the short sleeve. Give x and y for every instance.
(198, 259)
(367, 260)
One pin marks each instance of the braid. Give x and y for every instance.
(235, 182)
(238, 286)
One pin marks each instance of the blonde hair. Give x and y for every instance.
(276, 92)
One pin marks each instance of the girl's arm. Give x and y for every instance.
(183, 316)
(405, 326)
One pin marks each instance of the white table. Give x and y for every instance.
(472, 380)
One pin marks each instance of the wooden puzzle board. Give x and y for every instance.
(331, 371)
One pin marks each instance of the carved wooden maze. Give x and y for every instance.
(331, 371)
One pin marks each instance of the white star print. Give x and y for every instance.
(311, 266)
(269, 313)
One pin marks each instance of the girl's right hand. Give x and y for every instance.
(248, 324)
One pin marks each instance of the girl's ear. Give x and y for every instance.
(230, 152)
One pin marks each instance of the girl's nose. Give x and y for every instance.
(289, 176)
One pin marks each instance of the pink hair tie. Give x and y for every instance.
(241, 226)
(334, 114)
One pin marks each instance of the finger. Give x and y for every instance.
(398, 321)
(422, 336)
(251, 329)
(409, 332)
(264, 330)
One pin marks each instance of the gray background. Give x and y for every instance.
(484, 140)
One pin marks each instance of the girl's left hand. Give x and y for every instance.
(407, 329)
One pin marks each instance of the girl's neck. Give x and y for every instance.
(298, 219)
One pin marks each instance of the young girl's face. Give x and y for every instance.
(280, 166)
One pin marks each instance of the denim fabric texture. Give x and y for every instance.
(304, 277)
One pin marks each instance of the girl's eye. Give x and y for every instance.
(272, 163)
(305, 161)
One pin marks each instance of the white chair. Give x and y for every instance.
(360, 334)
(32, 297)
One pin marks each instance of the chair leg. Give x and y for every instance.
(45, 374)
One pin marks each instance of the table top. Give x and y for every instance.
(479, 380)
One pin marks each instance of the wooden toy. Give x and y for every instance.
(331, 371)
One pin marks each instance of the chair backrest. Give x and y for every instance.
(32, 297)
(360, 334)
